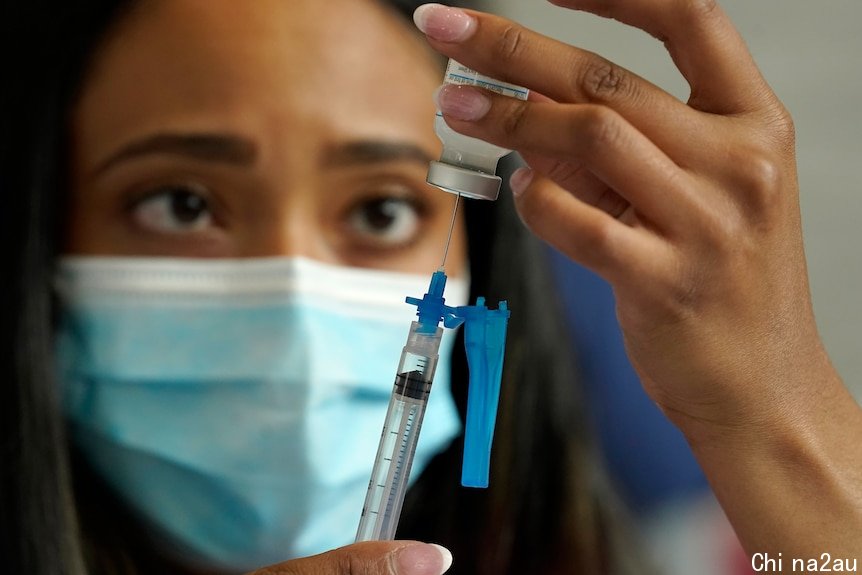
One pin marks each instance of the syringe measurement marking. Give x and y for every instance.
(371, 483)
(395, 453)
(388, 447)
(404, 431)
(399, 462)
(395, 472)
(406, 427)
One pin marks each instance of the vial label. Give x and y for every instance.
(457, 73)
(468, 166)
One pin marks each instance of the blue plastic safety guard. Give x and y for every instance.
(485, 343)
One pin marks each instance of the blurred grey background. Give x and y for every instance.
(810, 54)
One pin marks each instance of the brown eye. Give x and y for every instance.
(173, 209)
(388, 221)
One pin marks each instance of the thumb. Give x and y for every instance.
(370, 558)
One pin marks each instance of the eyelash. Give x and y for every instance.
(401, 194)
(379, 217)
(168, 190)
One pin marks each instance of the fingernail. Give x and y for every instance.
(462, 102)
(423, 559)
(444, 23)
(520, 180)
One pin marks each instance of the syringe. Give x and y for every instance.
(485, 343)
(403, 421)
(391, 471)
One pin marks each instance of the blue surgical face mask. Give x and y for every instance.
(236, 405)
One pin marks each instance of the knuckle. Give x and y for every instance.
(722, 230)
(685, 289)
(612, 203)
(698, 9)
(781, 126)
(598, 129)
(341, 561)
(348, 564)
(563, 172)
(510, 42)
(761, 176)
(351, 564)
(515, 117)
(282, 569)
(602, 81)
(605, 9)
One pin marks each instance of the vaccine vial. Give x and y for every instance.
(468, 166)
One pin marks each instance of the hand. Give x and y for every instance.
(369, 558)
(690, 210)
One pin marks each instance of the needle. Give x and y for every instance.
(451, 228)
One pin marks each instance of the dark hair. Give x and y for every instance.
(549, 509)
(44, 48)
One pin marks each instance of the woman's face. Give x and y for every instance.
(217, 128)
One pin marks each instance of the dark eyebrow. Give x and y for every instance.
(224, 148)
(373, 151)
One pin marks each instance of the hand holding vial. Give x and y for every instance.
(690, 210)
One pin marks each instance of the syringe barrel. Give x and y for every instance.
(418, 363)
(421, 342)
(391, 471)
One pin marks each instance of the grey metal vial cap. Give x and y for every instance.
(468, 183)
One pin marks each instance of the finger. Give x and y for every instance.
(584, 233)
(594, 136)
(370, 558)
(575, 178)
(700, 37)
(704, 44)
(509, 52)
